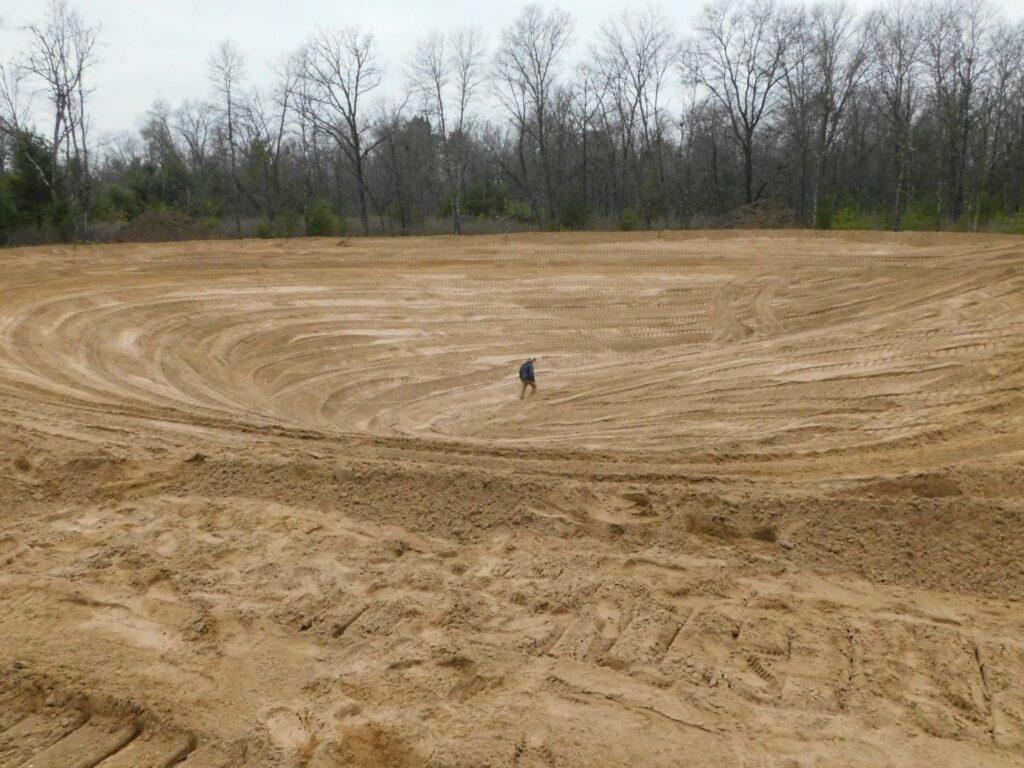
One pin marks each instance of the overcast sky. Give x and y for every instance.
(157, 49)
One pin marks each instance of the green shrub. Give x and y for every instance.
(826, 214)
(8, 210)
(323, 222)
(573, 215)
(209, 223)
(653, 203)
(288, 224)
(629, 220)
(1009, 224)
(265, 229)
(116, 203)
(849, 217)
(920, 216)
(519, 211)
(479, 202)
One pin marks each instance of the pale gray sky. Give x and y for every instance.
(157, 49)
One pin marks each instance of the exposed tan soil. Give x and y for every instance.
(278, 504)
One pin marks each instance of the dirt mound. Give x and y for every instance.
(164, 226)
(763, 214)
(928, 485)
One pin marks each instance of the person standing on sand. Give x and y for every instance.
(526, 376)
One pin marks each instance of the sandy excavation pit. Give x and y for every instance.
(276, 504)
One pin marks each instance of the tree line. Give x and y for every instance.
(762, 113)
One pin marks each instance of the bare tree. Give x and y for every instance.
(60, 53)
(15, 103)
(123, 149)
(266, 126)
(1006, 109)
(447, 73)
(956, 37)
(842, 56)
(157, 132)
(341, 68)
(897, 46)
(526, 68)
(631, 61)
(583, 113)
(192, 125)
(739, 57)
(303, 108)
(12, 113)
(802, 83)
(826, 65)
(226, 72)
(398, 158)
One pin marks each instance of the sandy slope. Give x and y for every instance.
(277, 503)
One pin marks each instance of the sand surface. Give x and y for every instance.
(278, 503)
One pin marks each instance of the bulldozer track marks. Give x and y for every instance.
(278, 504)
(56, 733)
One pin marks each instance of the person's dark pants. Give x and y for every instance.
(527, 383)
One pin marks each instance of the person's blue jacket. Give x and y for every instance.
(526, 371)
